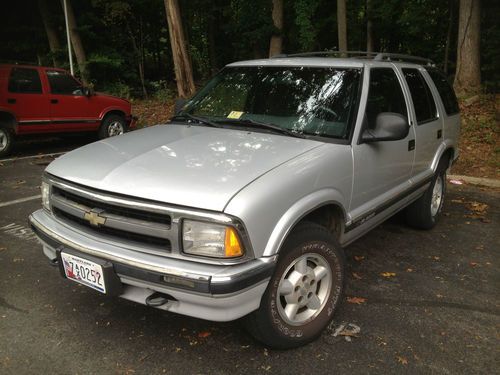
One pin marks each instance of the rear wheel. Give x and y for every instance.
(6, 141)
(304, 291)
(424, 213)
(111, 126)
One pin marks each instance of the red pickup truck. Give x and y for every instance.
(40, 100)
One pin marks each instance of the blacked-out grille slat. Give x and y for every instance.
(114, 209)
(139, 238)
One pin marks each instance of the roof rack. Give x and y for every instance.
(376, 56)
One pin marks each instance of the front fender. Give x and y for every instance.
(296, 212)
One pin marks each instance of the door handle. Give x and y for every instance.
(54, 101)
(11, 100)
(440, 134)
(411, 145)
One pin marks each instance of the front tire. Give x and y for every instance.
(303, 293)
(424, 213)
(111, 126)
(6, 141)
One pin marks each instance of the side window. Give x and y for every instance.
(63, 84)
(384, 95)
(425, 107)
(25, 81)
(445, 92)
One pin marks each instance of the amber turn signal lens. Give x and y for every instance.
(232, 243)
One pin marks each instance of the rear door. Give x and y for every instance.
(26, 99)
(69, 107)
(382, 170)
(429, 125)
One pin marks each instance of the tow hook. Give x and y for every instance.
(54, 262)
(158, 299)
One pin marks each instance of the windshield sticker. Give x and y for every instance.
(235, 114)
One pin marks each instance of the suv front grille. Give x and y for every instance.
(127, 224)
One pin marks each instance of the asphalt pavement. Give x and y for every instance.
(417, 302)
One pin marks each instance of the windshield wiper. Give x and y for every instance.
(200, 120)
(263, 125)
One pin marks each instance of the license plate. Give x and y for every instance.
(84, 271)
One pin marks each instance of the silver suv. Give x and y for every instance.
(241, 206)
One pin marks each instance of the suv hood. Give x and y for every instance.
(184, 165)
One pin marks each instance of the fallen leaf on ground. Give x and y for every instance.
(204, 334)
(356, 276)
(473, 264)
(402, 360)
(356, 300)
(388, 274)
(358, 258)
(347, 330)
(409, 270)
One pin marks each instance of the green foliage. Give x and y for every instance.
(120, 35)
(304, 13)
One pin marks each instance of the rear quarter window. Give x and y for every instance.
(446, 92)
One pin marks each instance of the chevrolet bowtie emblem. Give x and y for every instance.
(94, 218)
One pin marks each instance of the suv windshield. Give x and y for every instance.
(306, 100)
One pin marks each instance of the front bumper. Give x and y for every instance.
(131, 121)
(207, 291)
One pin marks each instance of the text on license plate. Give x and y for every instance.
(84, 271)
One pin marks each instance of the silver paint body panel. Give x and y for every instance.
(267, 181)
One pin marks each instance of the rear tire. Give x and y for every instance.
(6, 141)
(304, 292)
(111, 126)
(424, 213)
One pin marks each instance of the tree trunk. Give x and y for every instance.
(76, 41)
(369, 27)
(448, 36)
(276, 44)
(138, 56)
(468, 74)
(342, 25)
(49, 29)
(182, 64)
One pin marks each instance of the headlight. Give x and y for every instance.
(212, 240)
(45, 187)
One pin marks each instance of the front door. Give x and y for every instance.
(69, 107)
(382, 170)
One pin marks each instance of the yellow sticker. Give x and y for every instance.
(234, 114)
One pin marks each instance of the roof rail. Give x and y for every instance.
(377, 56)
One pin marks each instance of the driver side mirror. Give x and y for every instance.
(389, 126)
(88, 91)
(179, 105)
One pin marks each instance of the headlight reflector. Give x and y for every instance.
(45, 188)
(212, 240)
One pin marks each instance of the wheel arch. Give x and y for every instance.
(323, 207)
(8, 120)
(115, 111)
(446, 150)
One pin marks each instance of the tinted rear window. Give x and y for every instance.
(425, 107)
(445, 92)
(25, 81)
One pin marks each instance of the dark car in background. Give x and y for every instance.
(41, 100)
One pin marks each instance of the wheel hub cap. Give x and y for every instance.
(304, 289)
(437, 196)
(115, 128)
(3, 140)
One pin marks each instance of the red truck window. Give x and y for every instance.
(24, 81)
(63, 84)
